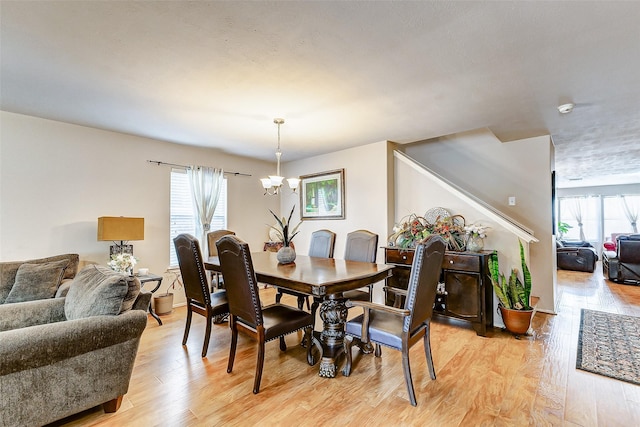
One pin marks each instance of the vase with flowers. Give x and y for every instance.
(123, 263)
(475, 236)
(286, 254)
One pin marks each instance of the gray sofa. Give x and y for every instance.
(61, 356)
(37, 278)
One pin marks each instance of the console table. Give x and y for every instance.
(467, 295)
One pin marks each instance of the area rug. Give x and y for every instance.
(609, 345)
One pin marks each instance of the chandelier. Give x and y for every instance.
(272, 184)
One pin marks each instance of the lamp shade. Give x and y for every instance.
(121, 228)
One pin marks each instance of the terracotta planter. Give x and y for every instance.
(516, 321)
(163, 303)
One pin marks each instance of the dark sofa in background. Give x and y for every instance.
(623, 265)
(576, 256)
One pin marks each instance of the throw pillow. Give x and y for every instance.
(133, 289)
(95, 291)
(37, 281)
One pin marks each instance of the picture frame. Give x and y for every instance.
(322, 195)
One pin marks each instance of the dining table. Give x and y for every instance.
(325, 279)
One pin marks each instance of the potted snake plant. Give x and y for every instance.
(513, 294)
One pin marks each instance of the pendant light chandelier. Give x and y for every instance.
(272, 184)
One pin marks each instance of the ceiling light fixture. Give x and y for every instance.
(566, 108)
(272, 184)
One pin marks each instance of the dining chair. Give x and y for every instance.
(322, 244)
(247, 314)
(362, 245)
(199, 299)
(401, 328)
(212, 238)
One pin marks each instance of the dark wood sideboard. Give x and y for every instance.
(468, 292)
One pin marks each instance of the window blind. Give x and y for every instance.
(182, 219)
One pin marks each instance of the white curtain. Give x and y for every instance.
(205, 184)
(576, 209)
(631, 212)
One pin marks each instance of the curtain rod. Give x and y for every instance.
(157, 162)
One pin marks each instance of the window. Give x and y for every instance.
(602, 215)
(615, 218)
(589, 208)
(182, 219)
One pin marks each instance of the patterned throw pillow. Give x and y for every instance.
(37, 281)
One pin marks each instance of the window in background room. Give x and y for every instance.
(182, 217)
(615, 216)
(587, 209)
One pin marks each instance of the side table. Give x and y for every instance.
(151, 278)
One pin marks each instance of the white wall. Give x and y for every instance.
(492, 171)
(56, 179)
(366, 196)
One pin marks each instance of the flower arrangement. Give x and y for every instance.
(413, 229)
(123, 263)
(476, 230)
(282, 230)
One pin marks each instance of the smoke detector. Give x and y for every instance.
(566, 108)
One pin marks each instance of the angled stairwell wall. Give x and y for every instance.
(473, 174)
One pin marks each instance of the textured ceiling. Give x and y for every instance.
(342, 74)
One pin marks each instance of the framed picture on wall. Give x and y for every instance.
(322, 195)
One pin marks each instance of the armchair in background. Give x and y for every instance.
(623, 265)
(576, 256)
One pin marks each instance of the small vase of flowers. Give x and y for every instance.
(123, 263)
(475, 236)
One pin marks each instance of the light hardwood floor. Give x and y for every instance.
(491, 381)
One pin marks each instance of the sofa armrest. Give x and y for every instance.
(42, 345)
(30, 313)
(142, 301)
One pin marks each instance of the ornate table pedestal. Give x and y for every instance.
(333, 313)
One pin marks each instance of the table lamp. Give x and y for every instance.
(114, 228)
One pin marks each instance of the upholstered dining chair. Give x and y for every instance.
(199, 299)
(212, 238)
(401, 328)
(247, 314)
(362, 245)
(322, 244)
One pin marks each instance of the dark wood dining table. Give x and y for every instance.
(325, 279)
